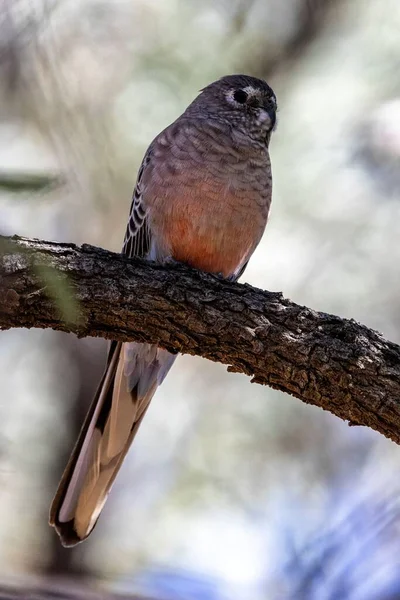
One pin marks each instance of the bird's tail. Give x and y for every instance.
(132, 375)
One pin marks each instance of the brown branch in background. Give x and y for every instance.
(334, 363)
(312, 16)
(59, 590)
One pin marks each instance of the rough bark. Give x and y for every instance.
(334, 363)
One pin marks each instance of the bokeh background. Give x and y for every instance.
(232, 491)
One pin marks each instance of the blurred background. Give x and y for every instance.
(232, 491)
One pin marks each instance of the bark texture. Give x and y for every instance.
(334, 363)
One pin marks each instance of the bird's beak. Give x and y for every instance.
(271, 110)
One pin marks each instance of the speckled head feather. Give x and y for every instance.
(247, 103)
(240, 81)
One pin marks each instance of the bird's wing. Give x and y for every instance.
(137, 239)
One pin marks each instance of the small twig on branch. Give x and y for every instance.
(334, 363)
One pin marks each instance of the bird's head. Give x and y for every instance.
(247, 103)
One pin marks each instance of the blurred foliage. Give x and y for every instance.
(25, 182)
(231, 491)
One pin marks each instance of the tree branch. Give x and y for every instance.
(334, 363)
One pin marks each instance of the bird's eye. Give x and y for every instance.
(240, 96)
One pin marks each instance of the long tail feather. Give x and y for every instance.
(132, 375)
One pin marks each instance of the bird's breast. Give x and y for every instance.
(210, 225)
(208, 194)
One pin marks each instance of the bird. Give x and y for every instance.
(202, 198)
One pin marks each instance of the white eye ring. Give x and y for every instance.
(230, 96)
